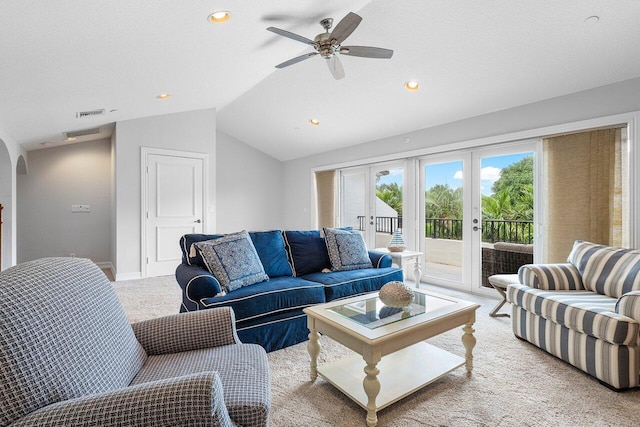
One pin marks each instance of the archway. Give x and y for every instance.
(6, 179)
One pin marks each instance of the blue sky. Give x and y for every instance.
(451, 173)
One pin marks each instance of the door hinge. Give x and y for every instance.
(147, 215)
(147, 260)
(147, 169)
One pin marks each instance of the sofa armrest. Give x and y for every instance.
(551, 277)
(190, 400)
(380, 260)
(195, 330)
(197, 283)
(629, 305)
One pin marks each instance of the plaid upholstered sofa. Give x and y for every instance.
(69, 357)
(299, 269)
(586, 312)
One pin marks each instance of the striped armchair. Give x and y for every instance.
(586, 312)
(69, 357)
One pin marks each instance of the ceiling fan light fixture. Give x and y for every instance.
(219, 16)
(411, 85)
(314, 122)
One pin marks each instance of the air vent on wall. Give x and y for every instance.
(84, 132)
(92, 113)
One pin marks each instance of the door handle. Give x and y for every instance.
(198, 221)
(476, 228)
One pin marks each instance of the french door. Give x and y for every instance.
(469, 201)
(371, 201)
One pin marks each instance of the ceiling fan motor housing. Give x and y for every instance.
(325, 46)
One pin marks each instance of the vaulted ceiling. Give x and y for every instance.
(470, 57)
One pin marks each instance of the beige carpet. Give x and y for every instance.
(513, 383)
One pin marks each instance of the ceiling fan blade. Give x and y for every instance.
(290, 35)
(345, 27)
(296, 59)
(335, 67)
(366, 51)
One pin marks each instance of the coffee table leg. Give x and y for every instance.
(469, 341)
(313, 347)
(372, 388)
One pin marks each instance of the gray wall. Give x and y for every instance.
(192, 131)
(58, 178)
(604, 101)
(249, 193)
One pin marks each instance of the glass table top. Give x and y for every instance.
(372, 312)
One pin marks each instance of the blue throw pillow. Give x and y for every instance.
(346, 249)
(270, 248)
(233, 260)
(307, 252)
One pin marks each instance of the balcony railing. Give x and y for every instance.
(493, 230)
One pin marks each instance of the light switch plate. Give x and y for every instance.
(80, 209)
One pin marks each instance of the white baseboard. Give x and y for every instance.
(128, 276)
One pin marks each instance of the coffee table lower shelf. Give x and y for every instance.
(401, 373)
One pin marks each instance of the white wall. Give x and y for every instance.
(76, 174)
(604, 101)
(250, 187)
(192, 131)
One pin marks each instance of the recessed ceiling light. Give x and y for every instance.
(411, 85)
(163, 96)
(314, 122)
(69, 139)
(591, 20)
(219, 16)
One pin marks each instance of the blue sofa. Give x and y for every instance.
(270, 313)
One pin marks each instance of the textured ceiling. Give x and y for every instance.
(470, 56)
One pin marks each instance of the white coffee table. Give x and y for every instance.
(391, 341)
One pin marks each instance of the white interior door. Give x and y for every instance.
(174, 206)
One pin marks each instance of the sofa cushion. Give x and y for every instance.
(189, 255)
(582, 311)
(606, 270)
(347, 250)
(273, 255)
(342, 284)
(307, 251)
(233, 260)
(267, 298)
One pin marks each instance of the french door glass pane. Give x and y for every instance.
(507, 213)
(388, 205)
(443, 233)
(354, 201)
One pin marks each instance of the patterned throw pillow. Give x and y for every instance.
(233, 260)
(347, 250)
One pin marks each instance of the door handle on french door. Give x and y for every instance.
(198, 221)
(476, 228)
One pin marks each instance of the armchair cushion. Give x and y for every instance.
(347, 250)
(607, 270)
(243, 371)
(581, 311)
(63, 310)
(195, 399)
(233, 260)
(187, 331)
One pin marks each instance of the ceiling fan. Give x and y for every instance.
(328, 44)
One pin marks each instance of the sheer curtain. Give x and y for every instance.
(326, 198)
(586, 190)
